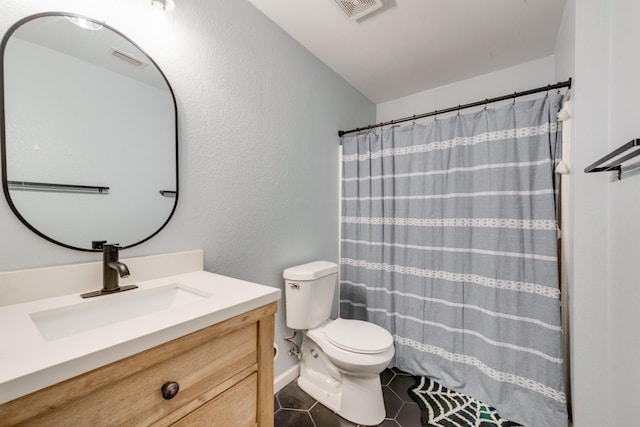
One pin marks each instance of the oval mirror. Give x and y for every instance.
(88, 133)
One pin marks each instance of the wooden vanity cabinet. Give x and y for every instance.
(224, 373)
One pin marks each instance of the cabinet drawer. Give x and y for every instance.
(236, 407)
(137, 399)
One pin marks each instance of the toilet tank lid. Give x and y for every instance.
(310, 271)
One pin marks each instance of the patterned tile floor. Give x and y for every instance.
(294, 408)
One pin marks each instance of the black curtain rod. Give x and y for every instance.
(514, 95)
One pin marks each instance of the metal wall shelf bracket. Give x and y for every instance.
(168, 193)
(616, 164)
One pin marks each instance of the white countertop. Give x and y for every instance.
(29, 362)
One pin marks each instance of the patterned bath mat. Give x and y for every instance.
(442, 407)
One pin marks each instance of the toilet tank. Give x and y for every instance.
(309, 290)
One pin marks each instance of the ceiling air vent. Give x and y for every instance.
(356, 9)
(126, 58)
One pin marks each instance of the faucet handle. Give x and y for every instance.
(98, 244)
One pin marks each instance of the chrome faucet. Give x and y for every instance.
(112, 270)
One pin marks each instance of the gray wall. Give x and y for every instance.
(258, 116)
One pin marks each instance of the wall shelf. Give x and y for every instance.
(602, 165)
(62, 188)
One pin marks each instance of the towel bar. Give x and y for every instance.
(615, 165)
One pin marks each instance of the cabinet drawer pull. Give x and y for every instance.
(170, 389)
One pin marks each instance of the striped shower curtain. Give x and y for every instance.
(449, 241)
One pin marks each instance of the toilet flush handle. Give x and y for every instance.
(294, 285)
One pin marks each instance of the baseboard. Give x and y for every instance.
(286, 377)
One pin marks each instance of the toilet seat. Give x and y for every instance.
(358, 336)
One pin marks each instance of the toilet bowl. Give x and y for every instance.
(341, 359)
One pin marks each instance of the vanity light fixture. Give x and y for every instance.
(160, 4)
(84, 23)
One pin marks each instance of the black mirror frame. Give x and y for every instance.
(3, 153)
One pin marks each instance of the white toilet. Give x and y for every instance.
(341, 359)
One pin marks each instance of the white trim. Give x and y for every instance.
(286, 377)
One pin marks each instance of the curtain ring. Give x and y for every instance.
(459, 110)
(486, 101)
(414, 119)
(435, 116)
(514, 97)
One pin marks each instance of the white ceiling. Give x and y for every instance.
(409, 46)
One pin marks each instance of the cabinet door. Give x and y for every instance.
(235, 407)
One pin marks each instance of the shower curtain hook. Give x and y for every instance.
(414, 119)
(515, 94)
(486, 101)
(435, 116)
(459, 110)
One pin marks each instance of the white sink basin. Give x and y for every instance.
(109, 309)
(50, 340)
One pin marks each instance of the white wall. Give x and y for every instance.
(583, 45)
(623, 224)
(257, 120)
(603, 277)
(590, 310)
(603, 249)
(518, 78)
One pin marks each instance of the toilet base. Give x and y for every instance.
(355, 398)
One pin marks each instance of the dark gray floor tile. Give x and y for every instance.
(409, 415)
(292, 397)
(399, 372)
(290, 418)
(392, 403)
(401, 384)
(386, 376)
(294, 408)
(324, 417)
